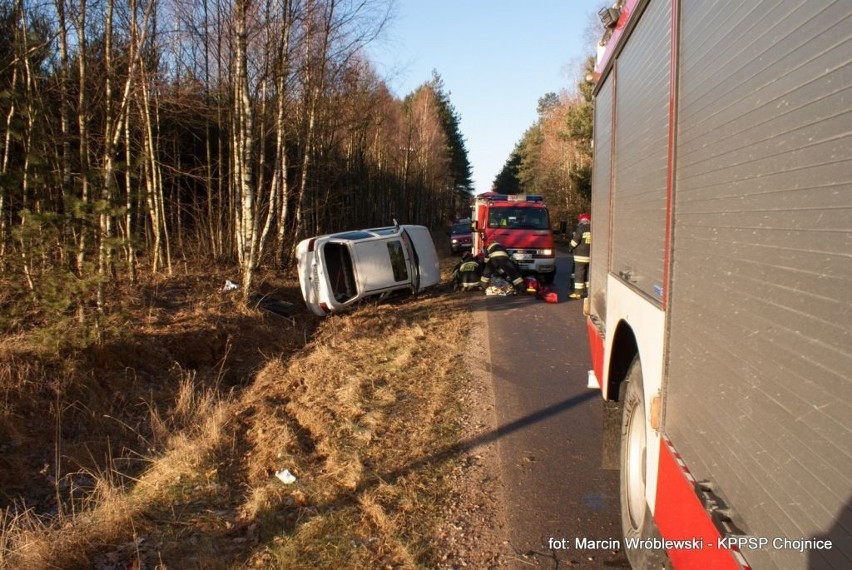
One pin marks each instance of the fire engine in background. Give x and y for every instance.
(520, 222)
(720, 314)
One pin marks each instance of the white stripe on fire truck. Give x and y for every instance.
(679, 460)
(735, 551)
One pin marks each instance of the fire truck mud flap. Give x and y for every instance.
(611, 444)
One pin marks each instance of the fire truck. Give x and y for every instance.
(521, 223)
(720, 310)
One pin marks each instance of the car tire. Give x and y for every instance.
(637, 522)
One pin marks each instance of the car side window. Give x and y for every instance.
(397, 257)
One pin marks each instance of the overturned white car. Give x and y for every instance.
(338, 270)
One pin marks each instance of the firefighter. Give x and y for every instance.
(497, 260)
(581, 244)
(466, 273)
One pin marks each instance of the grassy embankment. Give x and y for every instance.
(159, 447)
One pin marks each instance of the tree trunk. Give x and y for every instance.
(314, 84)
(104, 217)
(243, 144)
(83, 128)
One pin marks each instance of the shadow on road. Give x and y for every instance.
(451, 451)
(464, 446)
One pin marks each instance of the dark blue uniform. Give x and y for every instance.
(581, 247)
(497, 260)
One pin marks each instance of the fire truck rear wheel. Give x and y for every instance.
(636, 519)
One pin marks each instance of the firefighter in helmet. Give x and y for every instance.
(466, 273)
(497, 260)
(581, 244)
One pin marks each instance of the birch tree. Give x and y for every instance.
(245, 126)
(243, 143)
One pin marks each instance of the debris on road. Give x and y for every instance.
(500, 287)
(547, 295)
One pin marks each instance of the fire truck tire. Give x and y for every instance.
(636, 520)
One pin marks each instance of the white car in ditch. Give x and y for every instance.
(338, 270)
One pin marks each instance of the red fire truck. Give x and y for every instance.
(521, 223)
(720, 312)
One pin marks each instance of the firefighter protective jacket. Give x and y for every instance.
(495, 250)
(470, 265)
(581, 242)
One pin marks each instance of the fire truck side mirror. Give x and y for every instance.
(473, 226)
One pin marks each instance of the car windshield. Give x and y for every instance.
(353, 235)
(519, 218)
(461, 228)
(385, 231)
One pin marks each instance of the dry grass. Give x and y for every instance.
(182, 455)
(117, 504)
(364, 420)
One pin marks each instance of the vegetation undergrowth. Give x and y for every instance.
(162, 449)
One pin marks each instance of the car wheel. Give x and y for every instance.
(637, 523)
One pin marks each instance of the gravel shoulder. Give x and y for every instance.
(475, 530)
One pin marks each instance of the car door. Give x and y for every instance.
(411, 256)
(423, 257)
(382, 264)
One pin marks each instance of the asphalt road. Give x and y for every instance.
(549, 434)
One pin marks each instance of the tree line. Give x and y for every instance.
(554, 156)
(137, 132)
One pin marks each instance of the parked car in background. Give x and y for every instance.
(338, 270)
(461, 238)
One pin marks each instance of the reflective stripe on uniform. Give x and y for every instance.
(581, 259)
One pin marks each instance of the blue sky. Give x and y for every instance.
(497, 58)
